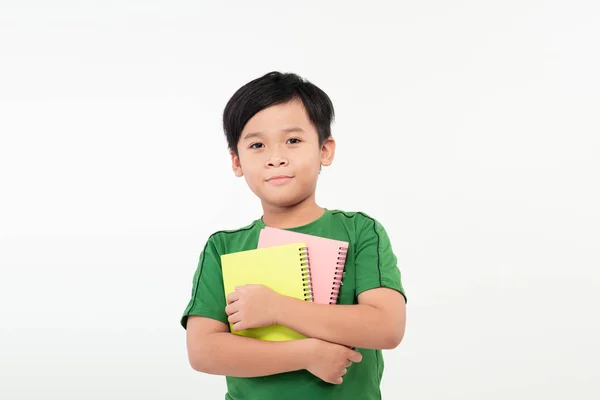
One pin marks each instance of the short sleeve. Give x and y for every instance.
(208, 294)
(376, 263)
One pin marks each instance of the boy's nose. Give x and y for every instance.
(275, 162)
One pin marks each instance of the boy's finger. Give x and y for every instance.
(233, 318)
(232, 308)
(238, 326)
(355, 356)
(233, 296)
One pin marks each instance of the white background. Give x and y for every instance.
(470, 129)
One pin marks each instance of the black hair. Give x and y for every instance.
(272, 89)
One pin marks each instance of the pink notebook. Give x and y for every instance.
(327, 258)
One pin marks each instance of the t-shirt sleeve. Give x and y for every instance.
(376, 263)
(208, 294)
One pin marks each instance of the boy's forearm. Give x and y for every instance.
(357, 325)
(224, 353)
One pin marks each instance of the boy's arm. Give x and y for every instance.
(376, 322)
(212, 349)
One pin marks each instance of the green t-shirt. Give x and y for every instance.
(370, 264)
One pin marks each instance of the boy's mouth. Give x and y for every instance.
(279, 179)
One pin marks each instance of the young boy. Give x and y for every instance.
(278, 128)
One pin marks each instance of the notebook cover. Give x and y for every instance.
(282, 268)
(327, 258)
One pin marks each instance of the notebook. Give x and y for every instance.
(283, 268)
(327, 260)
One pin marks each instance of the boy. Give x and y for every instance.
(278, 128)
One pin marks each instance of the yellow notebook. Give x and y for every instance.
(284, 269)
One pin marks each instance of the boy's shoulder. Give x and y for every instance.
(225, 234)
(244, 230)
(359, 215)
(239, 238)
(358, 219)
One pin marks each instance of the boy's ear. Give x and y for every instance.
(235, 165)
(328, 152)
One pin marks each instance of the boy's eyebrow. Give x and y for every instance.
(293, 129)
(251, 135)
(286, 130)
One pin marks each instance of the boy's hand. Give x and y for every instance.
(252, 306)
(330, 361)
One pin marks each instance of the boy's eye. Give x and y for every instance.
(256, 145)
(294, 141)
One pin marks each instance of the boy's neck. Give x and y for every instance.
(290, 217)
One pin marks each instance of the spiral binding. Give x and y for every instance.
(338, 275)
(306, 278)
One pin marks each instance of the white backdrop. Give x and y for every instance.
(469, 129)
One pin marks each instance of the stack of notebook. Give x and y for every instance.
(298, 265)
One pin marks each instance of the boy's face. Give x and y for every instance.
(279, 155)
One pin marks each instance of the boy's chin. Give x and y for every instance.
(282, 201)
